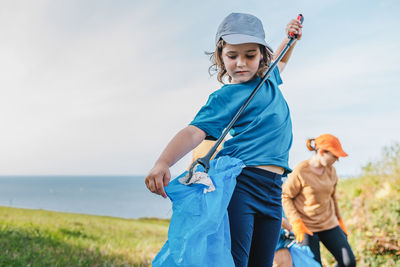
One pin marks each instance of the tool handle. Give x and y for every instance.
(301, 19)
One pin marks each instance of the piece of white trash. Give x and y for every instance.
(199, 178)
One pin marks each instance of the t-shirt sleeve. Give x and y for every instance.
(214, 116)
(276, 75)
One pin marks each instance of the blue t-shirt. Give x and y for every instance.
(263, 133)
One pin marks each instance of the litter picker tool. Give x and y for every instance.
(205, 161)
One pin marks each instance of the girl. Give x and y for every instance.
(261, 137)
(310, 203)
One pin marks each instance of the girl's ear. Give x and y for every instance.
(321, 152)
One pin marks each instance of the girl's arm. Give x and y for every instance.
(294, 26)
(183, 142)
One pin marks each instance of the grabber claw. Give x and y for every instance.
(205, 162)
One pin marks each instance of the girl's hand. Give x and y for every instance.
(294, 26)
(157, 178)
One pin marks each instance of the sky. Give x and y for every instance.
(100, 87)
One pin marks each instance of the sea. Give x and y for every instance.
(116, 196)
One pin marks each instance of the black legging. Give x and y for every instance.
(335, 241)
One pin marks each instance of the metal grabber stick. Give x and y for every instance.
(205, 161)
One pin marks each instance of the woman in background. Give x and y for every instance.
(310, 203)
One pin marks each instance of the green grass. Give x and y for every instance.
(370, 206)
(44, 238)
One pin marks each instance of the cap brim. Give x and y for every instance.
(340, 154)
(243, 39)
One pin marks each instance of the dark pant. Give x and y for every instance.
(255, 216)
(335, 241)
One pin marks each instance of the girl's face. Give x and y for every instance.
(327, 158)
(241, 61)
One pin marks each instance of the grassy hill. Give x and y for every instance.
(43, 238)
(370, 206)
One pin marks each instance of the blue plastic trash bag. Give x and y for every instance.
(286, 239)
(303, 256)
(199, 232)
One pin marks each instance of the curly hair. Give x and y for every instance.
(218, 65)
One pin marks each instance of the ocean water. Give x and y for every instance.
(117, 196)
